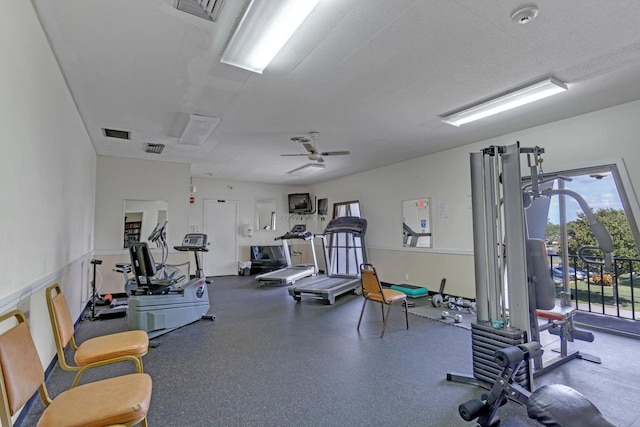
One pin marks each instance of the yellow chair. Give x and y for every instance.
(122, 400)
(93, 352)
(372, 290)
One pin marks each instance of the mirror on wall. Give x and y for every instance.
(416, 223)
(265, 215)
(141, 217)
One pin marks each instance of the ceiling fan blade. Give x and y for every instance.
(310, 148)
(310, 166)
(335, 153)
(289, 155)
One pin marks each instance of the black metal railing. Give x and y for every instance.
(597, 290)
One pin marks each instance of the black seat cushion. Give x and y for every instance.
(557, 405)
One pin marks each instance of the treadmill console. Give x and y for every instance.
(298, 231)
(193, 242)
(298, 228)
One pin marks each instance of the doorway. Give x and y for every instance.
(221, 228)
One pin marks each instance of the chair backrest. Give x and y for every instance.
(142, 262)
(371, 285)
(20, 367)
(60, 317)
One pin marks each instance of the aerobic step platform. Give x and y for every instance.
(411, 290)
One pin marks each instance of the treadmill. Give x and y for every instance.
(344, 250)
(292, 273)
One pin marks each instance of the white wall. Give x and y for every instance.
(246, 193)
(47, 177)
(600, 137)
(119, 179)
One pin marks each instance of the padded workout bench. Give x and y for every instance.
(550, 405)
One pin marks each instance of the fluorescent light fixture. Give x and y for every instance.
(309, 167)
(198, 130)
(263, 30)
(506, 102)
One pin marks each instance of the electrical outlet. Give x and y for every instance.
(406, 276)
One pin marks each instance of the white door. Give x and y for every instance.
(221, 228)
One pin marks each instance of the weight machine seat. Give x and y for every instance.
(557, 405)
(558, 313)
(119, 400)
(144, 267)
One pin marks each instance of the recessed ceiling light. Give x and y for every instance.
(524, 14)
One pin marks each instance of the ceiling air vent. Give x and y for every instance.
(153, 148)
(205, 9)
(115, 133)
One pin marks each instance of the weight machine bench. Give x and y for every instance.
(550, 405)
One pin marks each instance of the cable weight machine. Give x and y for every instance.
(513, 282)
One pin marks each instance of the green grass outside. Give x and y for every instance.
(589, 292)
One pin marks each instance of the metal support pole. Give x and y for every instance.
(565, 296)
(517, 277)
(491, 201)
(479, 237)
(517, 281)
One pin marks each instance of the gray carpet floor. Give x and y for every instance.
(269, 361)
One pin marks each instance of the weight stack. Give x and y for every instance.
(485, 341)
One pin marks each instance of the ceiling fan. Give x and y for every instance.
(312, 152)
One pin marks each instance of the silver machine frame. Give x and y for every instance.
(504, 281)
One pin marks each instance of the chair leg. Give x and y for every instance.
(382, 309)
(406, 312)
(361, 312)
(384, 324)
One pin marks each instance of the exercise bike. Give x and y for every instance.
(165, 299)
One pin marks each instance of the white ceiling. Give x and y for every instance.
(371, 76)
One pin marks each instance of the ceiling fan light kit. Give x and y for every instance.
(508, 101)
(264, 29)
